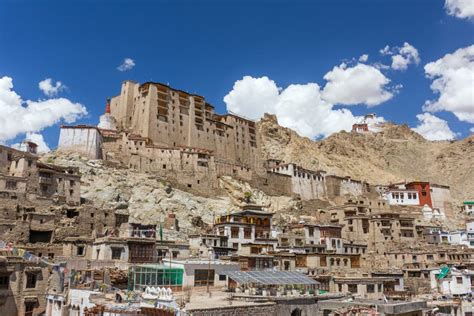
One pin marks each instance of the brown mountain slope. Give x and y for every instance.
(394, 154)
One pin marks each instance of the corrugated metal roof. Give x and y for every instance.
(271, 277)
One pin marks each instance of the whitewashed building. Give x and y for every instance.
(468, 207)
(457, 282)
(55, 304)
(396, 196)
(84, 139)
(470, 233)
(78, 300)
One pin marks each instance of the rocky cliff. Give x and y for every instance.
(148, 199)
(396, 153)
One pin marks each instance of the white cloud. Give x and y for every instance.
(453, 80)
(406, 55)
(433, 128)
(386, 50)
(49, 89)
(299, 106)
(19, 117)
(37, 139)
(472, 130)
(361, 84)
(460, 8)
(364, 58)
(127, 64)
(402, 56)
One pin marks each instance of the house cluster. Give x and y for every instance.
(434, 198)
(375, 249)
(60, 255)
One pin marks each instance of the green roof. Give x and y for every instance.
(468, 202)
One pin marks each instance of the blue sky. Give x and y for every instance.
(206, 46)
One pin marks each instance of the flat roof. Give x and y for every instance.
(271, 277)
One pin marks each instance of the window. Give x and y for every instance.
(30, 280)
(222, 277)
(80, 250)
(234, 232)
(370, 288)
(10, 185)
(116, 253)
(203, 277)
(4, 281)
(459, 280)
(352, 288)
(247, 233)
(141, 252)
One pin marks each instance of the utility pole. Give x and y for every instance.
(208, 270)
(169, 271)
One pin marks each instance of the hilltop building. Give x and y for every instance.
(155, 128)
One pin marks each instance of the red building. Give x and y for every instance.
(359, 128)
(424, 191)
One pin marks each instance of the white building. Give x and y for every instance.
(312, 234)
(470, 233)
(455, 283)
(468, 207)
(396, 196)
(204, 245)
(249, 226)
(84, 139)
(458, 238)
(78, 300)
(55, 304)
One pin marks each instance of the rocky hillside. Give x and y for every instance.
(148, 199)
(394, 154)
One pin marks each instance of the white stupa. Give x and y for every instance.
(427, 212)
(107, 121)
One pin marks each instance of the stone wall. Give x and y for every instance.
(254, 310)
(340, 186)
(308, 184)
(273, 184)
